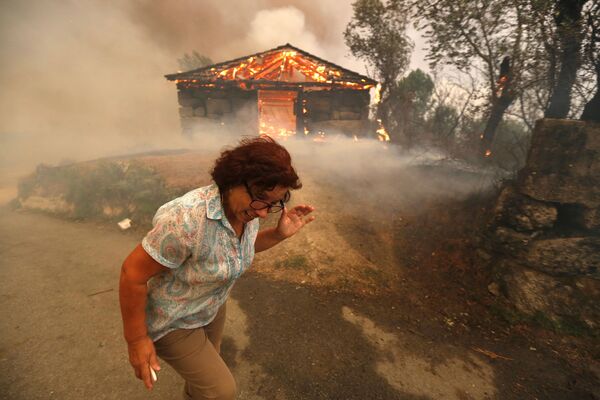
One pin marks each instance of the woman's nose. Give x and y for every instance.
(262, 213)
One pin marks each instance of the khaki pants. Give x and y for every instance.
(194, 354)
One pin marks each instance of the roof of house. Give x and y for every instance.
(285, 65)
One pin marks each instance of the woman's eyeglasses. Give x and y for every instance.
(261, 205)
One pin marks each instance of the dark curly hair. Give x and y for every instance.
(258, 161)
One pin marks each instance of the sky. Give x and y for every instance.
(83, 79)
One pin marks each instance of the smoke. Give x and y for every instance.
(270, 27)
(384, 175)
(84, 79)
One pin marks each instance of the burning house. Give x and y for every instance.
(280, 92)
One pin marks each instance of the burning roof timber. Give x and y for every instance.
(281, 68)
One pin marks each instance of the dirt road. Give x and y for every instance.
(61, 334)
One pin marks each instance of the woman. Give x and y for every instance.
(174, 285)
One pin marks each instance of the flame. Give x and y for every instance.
(382, 134)
(488, 153)
(274, 131)
(277, 66)
(378, 93)
(319, 137)
(501, 85)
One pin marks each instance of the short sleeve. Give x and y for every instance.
(168, 243)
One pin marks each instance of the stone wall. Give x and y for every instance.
(232, 111)
(545, 237)
(235, 111)
(340, 111)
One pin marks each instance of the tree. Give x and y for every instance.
(484, 36)
(591, 111)
(569, 30)
(193, 61)
(406, 106)
(377, 35)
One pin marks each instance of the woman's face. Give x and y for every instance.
(238, 207)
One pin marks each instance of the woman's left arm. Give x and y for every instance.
(289, 223)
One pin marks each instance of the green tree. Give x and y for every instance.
(490, 37)
(408, 102)
(377, 35)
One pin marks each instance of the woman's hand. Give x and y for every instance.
(291, 221)
(142, 357)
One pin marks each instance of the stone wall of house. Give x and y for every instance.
(235, 111)
(339, 111)
(232, 111)
(544, 244)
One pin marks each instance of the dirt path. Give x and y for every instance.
(61, 334)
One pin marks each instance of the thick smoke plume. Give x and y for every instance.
(85, 79)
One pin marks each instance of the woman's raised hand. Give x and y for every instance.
(291, 221)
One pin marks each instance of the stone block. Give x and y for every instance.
(201, 94)
(217, 106)
(563, 164)
(200, 111)
(523, 213)
(350, 128)
(588, 218)
(186, 99)
(319, 104)
(579, 256)
(565, 256)
(348, 115)
(562, 300)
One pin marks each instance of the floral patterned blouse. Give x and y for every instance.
(192, 237)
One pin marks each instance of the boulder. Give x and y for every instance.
(562, 300)
(573, 256)
(588, 218)
(523, 213)
(563, 164)
(565, 256)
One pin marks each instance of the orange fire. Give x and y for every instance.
(284, 66)
(279, 76)
(501, 85)
(382, 134)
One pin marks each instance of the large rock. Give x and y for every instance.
(523, 213)
(588, 218)
(565, 256)
(563, 165)
(566, 301)
(577, 256)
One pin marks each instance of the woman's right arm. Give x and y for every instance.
(137, 269)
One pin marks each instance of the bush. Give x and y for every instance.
(105, 190)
